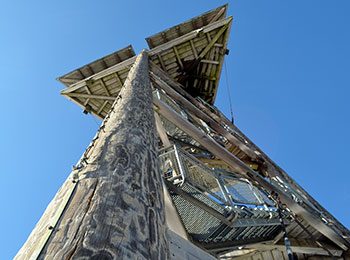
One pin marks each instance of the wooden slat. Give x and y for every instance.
(89, 96)
(178, 57)
(161, 62)
(102, 107)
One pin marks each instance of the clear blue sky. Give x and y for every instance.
(288, 69)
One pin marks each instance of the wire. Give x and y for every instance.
(228, 92)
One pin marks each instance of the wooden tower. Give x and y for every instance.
(167, 175)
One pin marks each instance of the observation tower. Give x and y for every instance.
(167, 175)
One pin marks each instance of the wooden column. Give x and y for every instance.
(112, 207)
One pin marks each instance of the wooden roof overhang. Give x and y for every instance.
(192, 53)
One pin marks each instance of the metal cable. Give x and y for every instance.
(228, 92)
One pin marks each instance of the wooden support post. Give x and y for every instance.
(112, 206)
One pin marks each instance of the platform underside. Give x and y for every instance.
(192, 53)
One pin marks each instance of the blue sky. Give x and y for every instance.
(288, 70)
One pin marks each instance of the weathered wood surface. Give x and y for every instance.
(116, 208)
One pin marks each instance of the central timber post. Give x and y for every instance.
(116, 209)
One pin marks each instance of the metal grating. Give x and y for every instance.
(205, 201)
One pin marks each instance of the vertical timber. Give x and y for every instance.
(112, 206)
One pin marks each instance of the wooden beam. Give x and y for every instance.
(88, 99)
(214, 62)
(102, 107)
(104, 63)
(214, 40)
(118, 78)
(172, 217)
(161, 131)
(194, 49)
(104, 86)
(89, 96)
(208, 36)
(161, 62)
(307, 250)
(87, 89)
(220, 45)
(86, 102)
(178, 57)
(90, 69)
(217, 16)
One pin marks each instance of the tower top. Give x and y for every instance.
(192, 53)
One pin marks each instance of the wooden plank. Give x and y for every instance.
(217, 16)
(89, 92)
(102, 107)
(161, 131)
(116, 75)
(89, 96)
(161, 62)
(308, 250)
(194, 49)
(178, 57)
(104, 86)
(210, 62)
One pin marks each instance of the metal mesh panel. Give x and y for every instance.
(197, 222)
(203, 198)
(241, 192)
(201, 176)
(200, 190)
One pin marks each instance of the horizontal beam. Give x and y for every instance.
(308, 250)
(255, 222)
(214, 62)
(89, 96)
(230, 244)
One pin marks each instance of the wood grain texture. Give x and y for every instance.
(116, 209)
